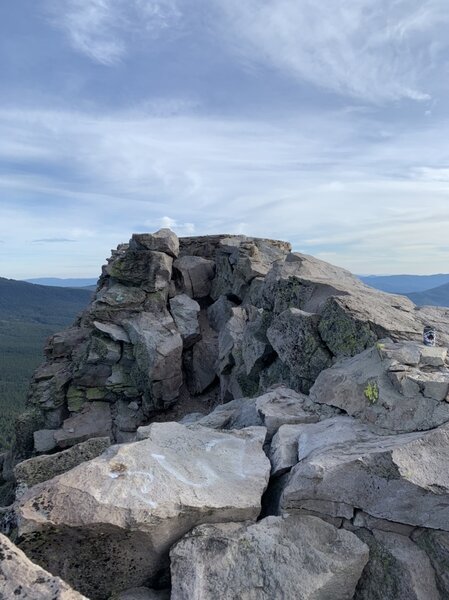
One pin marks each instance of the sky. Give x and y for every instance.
(322, 123)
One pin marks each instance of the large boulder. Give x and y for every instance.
(272, 409)
(295, 337)
(400, 478)
(157, 350)
(116, 297)
(194, 275)
(199, 364)
(353, 315)
(235, 414)
(241, 261)
(200, 361)
(397, 570)
(293, 558)
(136, 500)
(185, 312)
(149, 270)
(391, 386)
(219, 312)
(23, 580)
(164, 240)
(436, 546)
(281, 406)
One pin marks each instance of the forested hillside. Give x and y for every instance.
(438, 296)
(29, 314)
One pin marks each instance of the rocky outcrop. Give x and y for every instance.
(229, 311)
(136, 500)
(293, 557)
(309, 367)
(21, 579)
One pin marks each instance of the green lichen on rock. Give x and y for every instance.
(96, 393)
(371, 392)
(342, 334)
(76, 399)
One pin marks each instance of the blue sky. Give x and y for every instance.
(323, 123)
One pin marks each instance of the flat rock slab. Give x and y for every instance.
(128, 506)
(379, 390)
(283, 406)
(93, 421)
(23, 580)
(293, 558)
(401, 478)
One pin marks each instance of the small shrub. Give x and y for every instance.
(371, 392)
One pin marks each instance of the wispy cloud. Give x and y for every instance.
(375, 50)
(317, 180)
(52, 240)
(100, 28)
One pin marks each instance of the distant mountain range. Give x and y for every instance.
(405, 284)
(56, 281)
(423, 290)
(438, 296)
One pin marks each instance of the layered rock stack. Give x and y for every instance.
(308, 460)
(172, 319)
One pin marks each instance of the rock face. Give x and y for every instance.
(293, 557)
(136, 500)
(21, 579)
